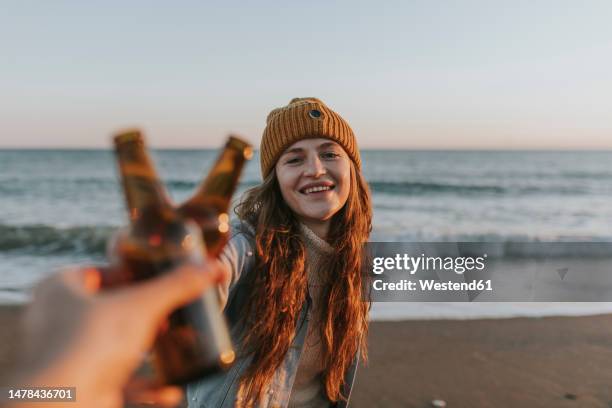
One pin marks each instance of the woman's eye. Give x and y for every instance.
(293, 160)
(330, 155)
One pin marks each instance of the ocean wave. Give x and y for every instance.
(91, 240)
(18, 187)
(181, 184)
(417, 188)
(426, 188)
(507, 246)
(174, 184)
(586, 175)
(40, 239)
(535, 249)
(407, 188)
(542, 250)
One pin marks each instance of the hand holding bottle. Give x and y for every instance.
(94, 341)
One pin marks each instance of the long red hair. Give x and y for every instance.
(279, 286)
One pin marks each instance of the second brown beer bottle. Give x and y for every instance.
(194, 341)
(209, 206)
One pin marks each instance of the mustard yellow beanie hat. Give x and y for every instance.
(303, 118)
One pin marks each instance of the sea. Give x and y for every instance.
(59, 208)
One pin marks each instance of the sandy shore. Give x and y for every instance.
(9, 338)
(523, 362)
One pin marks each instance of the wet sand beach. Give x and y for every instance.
(518, 362)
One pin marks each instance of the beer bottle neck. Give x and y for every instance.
(143, 190)
(222, 180)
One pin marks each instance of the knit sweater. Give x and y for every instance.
(308, 389)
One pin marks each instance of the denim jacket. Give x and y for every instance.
(220, 390)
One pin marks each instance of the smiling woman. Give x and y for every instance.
(295, 300)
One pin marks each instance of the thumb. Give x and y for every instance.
(159, 296)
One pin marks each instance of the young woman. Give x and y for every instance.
(295, 304)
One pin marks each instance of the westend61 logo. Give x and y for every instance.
(412, 264)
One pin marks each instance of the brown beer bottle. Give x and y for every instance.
(194, 341)
(209, 206)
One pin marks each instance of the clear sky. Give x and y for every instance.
(411, 74)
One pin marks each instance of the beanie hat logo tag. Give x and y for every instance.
(315, 114)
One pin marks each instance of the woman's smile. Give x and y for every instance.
(317, 189)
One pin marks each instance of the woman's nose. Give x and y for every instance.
(314, 167)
